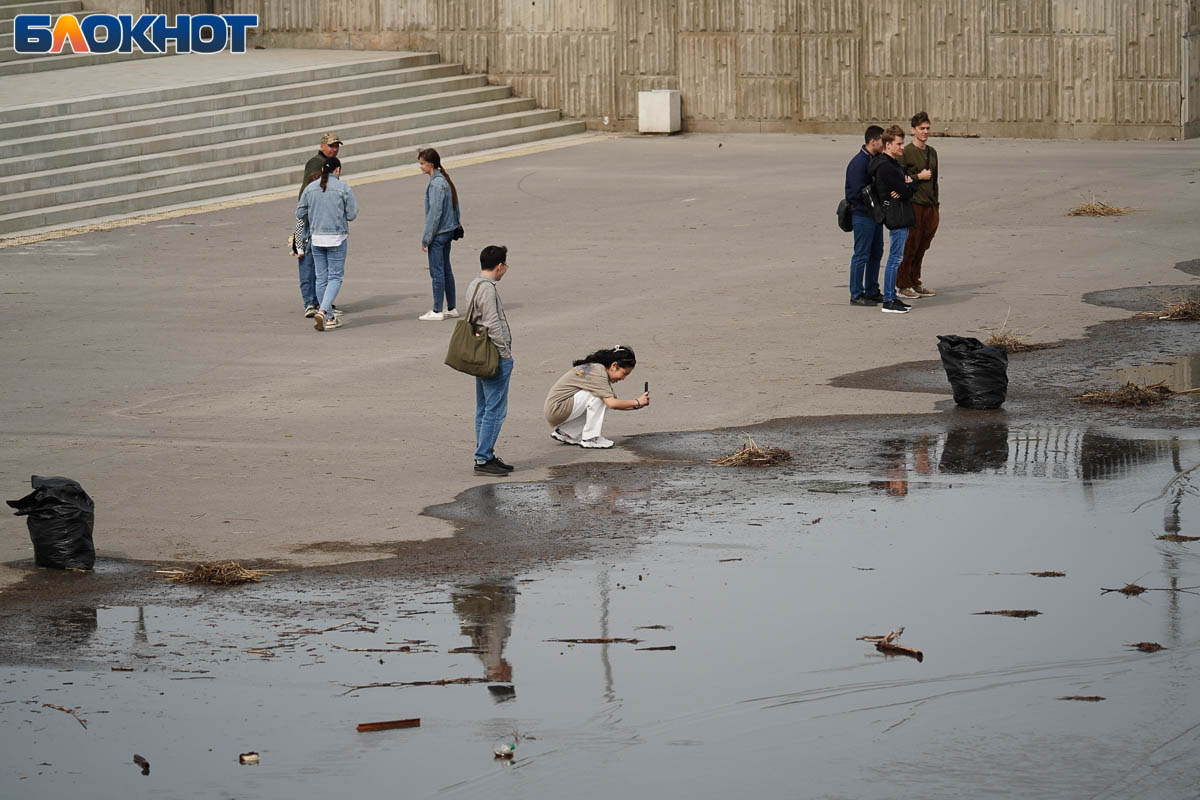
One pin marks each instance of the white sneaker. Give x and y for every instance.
(565, 438)
(597, 442)
(432, 316)
(450, 312)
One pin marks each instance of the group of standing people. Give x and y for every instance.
(576, 404)
(894, 186)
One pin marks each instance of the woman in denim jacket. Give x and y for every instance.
(326, 208)
(441, 221)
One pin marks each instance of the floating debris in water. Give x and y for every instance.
(1020, 613)
(1131, 395)
(752, 454)
(1177, 537)
(1050, 573)
(1146, 647)
(887, 644)
(222, 573)
(1091, 698)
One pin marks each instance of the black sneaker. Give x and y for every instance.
(862, 301)
(490, 468)
(507, 467)
(895, 307)
(876, 298)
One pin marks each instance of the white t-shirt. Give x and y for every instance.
(328, 239)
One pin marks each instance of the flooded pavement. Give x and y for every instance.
(761, 580)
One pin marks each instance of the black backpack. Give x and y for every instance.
(844, 213)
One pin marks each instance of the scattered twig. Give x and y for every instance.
(1178, 477)
(1130, 395)
(613, 640)
(390, 725)
(726, 560)
(1187, 308)
(1146, 647)
(143, 763)
(1021, 613)
(752, 454)
(653, 628)
(1177, 537)
(1092, 698)
(390, 684)
(1133, 590)
(66, 710)
(1097, 208)
(664, 647)
(404, 649)
(222, 573)
(887, 644)
(1049, 573)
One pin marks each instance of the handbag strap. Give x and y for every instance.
(471, 305)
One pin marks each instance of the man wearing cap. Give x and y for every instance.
(331, 143)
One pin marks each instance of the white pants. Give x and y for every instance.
(587, 416)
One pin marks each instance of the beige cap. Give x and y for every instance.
(331, 138)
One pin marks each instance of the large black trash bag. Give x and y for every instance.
(978, 372)
(60, 523)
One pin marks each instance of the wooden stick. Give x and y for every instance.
(66, 710)
(614, 640)
(390, 725)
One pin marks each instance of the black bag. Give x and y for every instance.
(898, 214)
(844, 212)
(457, 234)
(872, 203)
(978, 373)
(60, 522)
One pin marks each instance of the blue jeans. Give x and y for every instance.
(491, 407)
(896, 240)
(330, 265)
(868, 250)
(308, 278)
(439, 271)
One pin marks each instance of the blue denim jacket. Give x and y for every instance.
(440, 214)
(328, 211)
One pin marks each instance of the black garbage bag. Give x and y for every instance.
(978, 373)
(60, 522)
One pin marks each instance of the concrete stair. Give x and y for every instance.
(14, 63)
(166, 146)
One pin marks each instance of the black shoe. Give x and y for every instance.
(895, 307)
(862, 301)
(490, 468)
(875, 298)
(507, 467)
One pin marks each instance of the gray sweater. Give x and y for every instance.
(488, 311)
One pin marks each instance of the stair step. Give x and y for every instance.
(25, 64)
(339, 119)
(248, 83)
(335, 88)
(383, 98)
(266, 181)
(484, 117)
(54, 7)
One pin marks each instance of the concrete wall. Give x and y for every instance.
(1046, 68)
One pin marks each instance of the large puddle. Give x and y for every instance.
(761, 581)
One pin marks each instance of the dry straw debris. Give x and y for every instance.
(1131, 395)
(1013, 342)
(1146, 647)
(1177, 537)
(1185, 309)
(1097, 208)
(752, 454)
(222, 573)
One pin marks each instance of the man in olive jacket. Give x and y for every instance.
(920, 161)
(331, 145)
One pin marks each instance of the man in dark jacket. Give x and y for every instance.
(920, 161)
(894, 190)
(868, 236)
(331, 145)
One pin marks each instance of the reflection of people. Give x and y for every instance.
(577, 401)
(326, 208)
(486, 611)
(491, 394)
(441, 221)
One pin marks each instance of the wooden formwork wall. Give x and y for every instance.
(1074, 68)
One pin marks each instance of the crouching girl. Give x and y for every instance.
(578, 400)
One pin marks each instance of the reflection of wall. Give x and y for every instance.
(1077, 68)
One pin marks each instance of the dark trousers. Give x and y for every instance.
(920, 236)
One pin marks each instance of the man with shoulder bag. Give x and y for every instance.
(868, 232)
(491, 394)
(894, 189)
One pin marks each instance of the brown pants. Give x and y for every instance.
(920, 236)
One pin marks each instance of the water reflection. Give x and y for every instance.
(1179, 374)
(976, 448)
(485, 611)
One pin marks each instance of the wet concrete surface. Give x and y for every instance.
(761, 579)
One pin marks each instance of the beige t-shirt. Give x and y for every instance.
(588, 377)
